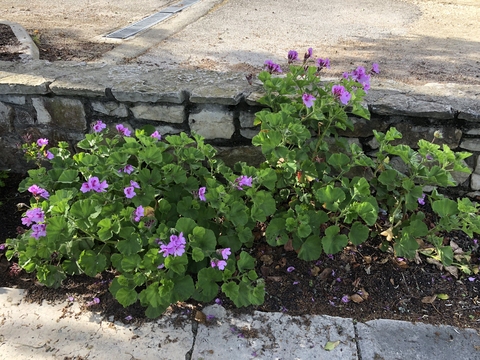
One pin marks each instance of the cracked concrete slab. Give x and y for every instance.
(61, 331)
(272, 336)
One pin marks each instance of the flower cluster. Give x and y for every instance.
(123, 130)
(139, 213)
(156, 135)
(360, 75)
(130, 190)
(175, 247)
(128, 169)
(37, 216)
(94, 184)
(341, 94)
(271, 67)
(243, 181)
(225, 253)
(37, 191)
(98, 126)
(308, 100)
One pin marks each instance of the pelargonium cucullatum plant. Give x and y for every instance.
(331, 192)
(170, 219)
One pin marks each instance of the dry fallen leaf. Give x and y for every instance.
(452, 270)
(200, 317)
(325, 274)
(364, 294)
(388, 234)
(356, 283)
(429, 299)
(331, 345)
(315, 271)
(267, 259)
(356, 298)
(368, 259)
(288, 246)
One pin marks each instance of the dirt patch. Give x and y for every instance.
(8, 44)
(415, 41)
(362, 282)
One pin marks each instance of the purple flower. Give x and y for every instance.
(429, 157)
(292, 56)
(123, 130)
(375, 68)
(475, 241)
(134, 184)
(42, 142)
(323, 63)
(296, 282)
(96, 300)
(210, 317)
(421, 200)
(71, 299)
(139, 213)
(49, 155)
(2, 246)
(129, 192)
(341, 94)
(345, 299)
(201, 193)
(225, 253)
(243, 181)
(308, 100)
(218, 263)
(156, 135)
(175, 247)
(308, 54)
(99, 126)
(271, 67)
(290, 269)
(471, 279)
(94, 184)
(128, 169)
(128, 318)
(218, 301)
(39, 230)
(360, 75)
(35, 215)
(35, 190)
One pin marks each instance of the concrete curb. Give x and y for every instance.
(28, 49)
(63, 330)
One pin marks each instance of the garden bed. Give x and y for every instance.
(395, 287)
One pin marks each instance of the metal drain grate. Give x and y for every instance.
(150, 21)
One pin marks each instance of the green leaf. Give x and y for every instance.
(330, 345)
(126, 296)
(445, 207)
(231, 290)
(203, 238)
(92, 263)
(442, 296)
(367, 212)
(176, 263)
(130, 246)
(245, 262)
(197, 254)
(68, 176)
(183, 288)
(358, 233)
(389, 178)
(446, 255)
(131, 262)
(57, 229)
(333, 242)
(238, 214)
(275, 233)
(330, 197)
(206, 287)
(311, 249)
(263, 206)
(50, 275)
(185, 225)
(151, 155)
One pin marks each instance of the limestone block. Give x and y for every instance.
(43, 117)
(6, 118)
(22, 119)
(412, 134)
(110, 108)
(475, 182)
(248, 133)
(402, 104)
(167, 130)
(13, 99)
(66, 113)
(471, 144)
(212, 122)
(246, 119)
(24, 84)
(477, 166)
(166, 113)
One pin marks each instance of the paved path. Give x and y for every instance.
(63, 331)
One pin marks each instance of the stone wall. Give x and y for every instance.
(60, 101)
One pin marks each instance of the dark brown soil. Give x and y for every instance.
(384, 286)
(8, 44)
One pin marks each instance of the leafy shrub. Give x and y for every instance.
(331, 192)
(169, 218)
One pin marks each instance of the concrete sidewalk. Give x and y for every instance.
(63, 331)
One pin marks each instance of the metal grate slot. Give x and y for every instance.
(150, 21)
